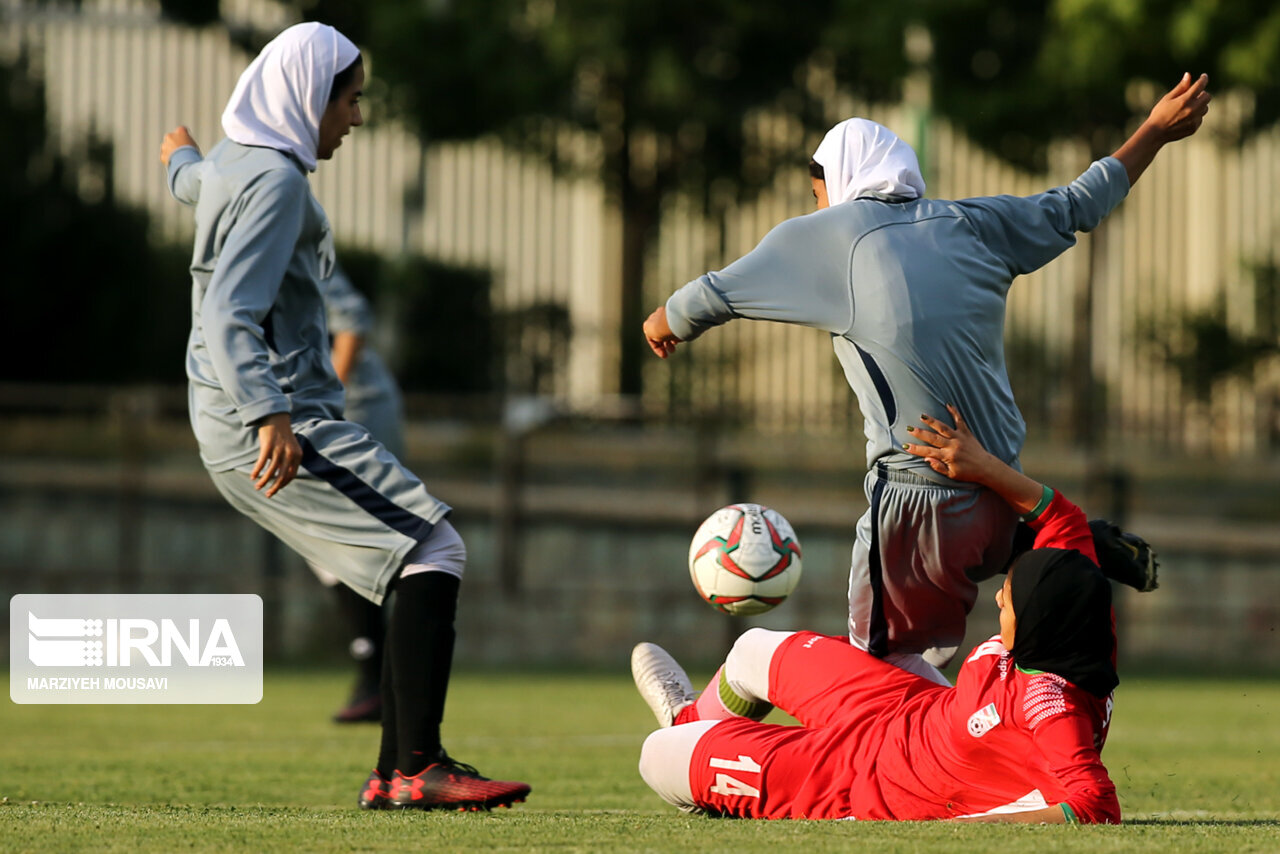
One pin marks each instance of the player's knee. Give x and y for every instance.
(651, 760)
(442, 551)
(755, 646)
(756, 636)
(665, 758)
(746, 668)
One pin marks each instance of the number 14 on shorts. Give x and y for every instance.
(729, 785)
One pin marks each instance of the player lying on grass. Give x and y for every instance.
(1018, 738)
(912, 291)
(267, 405)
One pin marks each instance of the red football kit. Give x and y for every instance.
(878, 742)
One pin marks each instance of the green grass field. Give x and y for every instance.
(1197, 763)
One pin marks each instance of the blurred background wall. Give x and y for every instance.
(503, 264)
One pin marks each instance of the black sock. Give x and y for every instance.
(387, 749)
(419, 648)
(364, 619)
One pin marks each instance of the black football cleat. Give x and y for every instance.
(1125, 557)
(451, 785)
(375, 794)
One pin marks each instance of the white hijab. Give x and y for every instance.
(283, 93)
(859, 157)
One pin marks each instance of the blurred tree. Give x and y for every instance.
(1016, 76)
(192, 12)
(1204, 347)
(536, 340)
(446, 314)
(667, 87)
(87, 296)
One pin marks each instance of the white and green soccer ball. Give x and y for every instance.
(745, 559)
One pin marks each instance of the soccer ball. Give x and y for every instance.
(745, 559)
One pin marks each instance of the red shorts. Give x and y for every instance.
(846, 700)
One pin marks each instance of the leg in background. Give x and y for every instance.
(365, 623)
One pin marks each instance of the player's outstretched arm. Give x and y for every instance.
(657, 332)
(1175, 116)
(957, 453)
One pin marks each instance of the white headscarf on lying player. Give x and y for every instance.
(859, 157)
(283, 93)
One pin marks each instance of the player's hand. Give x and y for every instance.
(658, 333)
(952, 451)
(279, 455)
(173, 140)
(1179, 113)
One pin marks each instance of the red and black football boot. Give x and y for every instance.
(375, 794)
(451, 785)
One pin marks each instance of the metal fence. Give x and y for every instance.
(577, 534)
(1186, 239)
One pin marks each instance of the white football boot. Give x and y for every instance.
(661, 682)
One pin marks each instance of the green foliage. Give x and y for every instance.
(446, 323)
(535, 341)
(83, 285)
(459, 70)
(667, 87)
(1242, 38)
(1193, 761)
(1204, 349)
(365, 269)
(1016, 75)
(191, 12)
(1266, 289)
(685, 75)
(1035, 374)
(443, 319)
(451, 339)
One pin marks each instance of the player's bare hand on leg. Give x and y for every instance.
(279, 454)
(658, 333)
(175, 139)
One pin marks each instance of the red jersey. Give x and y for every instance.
(1001, 737)
(882, 743)
(1002, 734)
